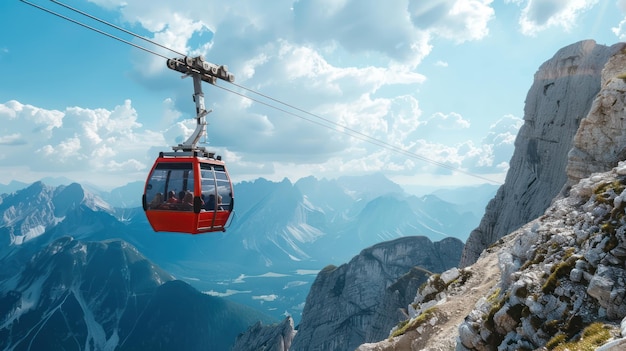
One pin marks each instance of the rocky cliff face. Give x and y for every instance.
(361, 300)
(562, 93)
(28, 213)
(600, 141)
(558, 281)
(560, 278)
(560, 273)
(561, 283)
(276, 337)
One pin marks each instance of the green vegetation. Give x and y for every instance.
(496, 305)
(493, 297)
(439, 285)
(551, 326)
(436, 282)
(412, 324)
(612, 243)
(557, 340)
(608, 228)
(464, 275)
(593, 336)
(558, 271)
(603, 194)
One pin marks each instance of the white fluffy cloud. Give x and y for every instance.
(354, 65)
(458, 20)
(98, 142)
(539, 15)
(620, 30)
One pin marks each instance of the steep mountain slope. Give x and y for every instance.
(30, 212)
(559, 274)
(103, 296)
(360, 301)
(554, 277)
(561, 95)
(276, 337)
(35, 216)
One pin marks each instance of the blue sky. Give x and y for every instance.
(445, 80)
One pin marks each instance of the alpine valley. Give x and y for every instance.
(82, 269)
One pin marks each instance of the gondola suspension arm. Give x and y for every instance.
(201, 71)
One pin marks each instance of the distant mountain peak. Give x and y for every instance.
(29, 212)
(107, 296)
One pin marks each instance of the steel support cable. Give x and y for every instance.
(117, 27)
(353, 133)
(363, 136)
(93, 29)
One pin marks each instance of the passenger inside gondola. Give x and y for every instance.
(157, 201)
(187, 203)
(171, 197)
(220, 206)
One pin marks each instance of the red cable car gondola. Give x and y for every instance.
(188, 194)
(189, 190)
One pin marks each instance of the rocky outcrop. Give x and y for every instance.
(276, 337)
(601, 138)
(561, 96)
(561, 281)
(362, 300)
(561, 273)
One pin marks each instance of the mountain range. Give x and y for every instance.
(260, 269)
(75, 295)
(369, 266)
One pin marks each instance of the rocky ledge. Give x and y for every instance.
(562, 282)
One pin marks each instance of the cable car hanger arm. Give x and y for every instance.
(200, 70)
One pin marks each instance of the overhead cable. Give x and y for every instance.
(328, 123)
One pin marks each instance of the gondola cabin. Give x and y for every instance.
(188, 193)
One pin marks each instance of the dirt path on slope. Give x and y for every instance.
(460, 302)
(442, 336)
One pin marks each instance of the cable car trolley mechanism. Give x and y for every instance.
(189, 190)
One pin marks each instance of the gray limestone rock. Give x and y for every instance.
(601, 138)
(362, 300)
(561, 96)
(277, 337)
(549, 295)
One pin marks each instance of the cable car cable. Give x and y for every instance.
(93, 29)
(117, 27)
(364, 137)
(359, 135)
(355, 133)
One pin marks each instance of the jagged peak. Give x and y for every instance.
(74, 195)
